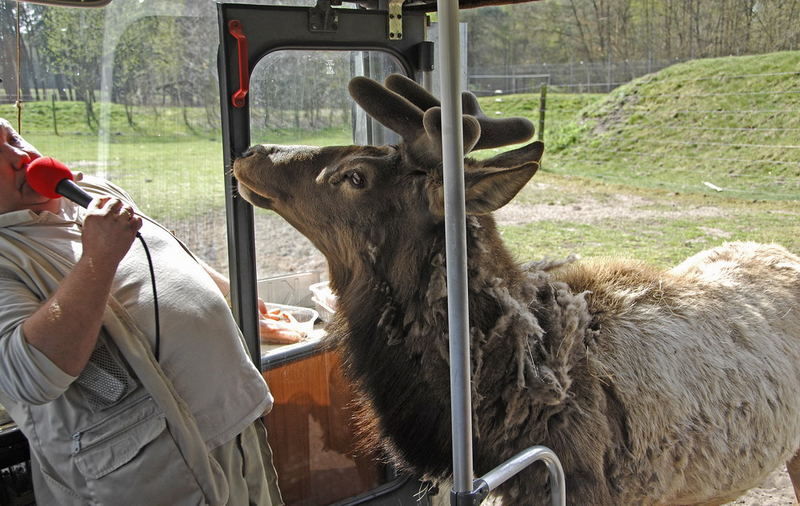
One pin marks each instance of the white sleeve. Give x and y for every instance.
(26, 374)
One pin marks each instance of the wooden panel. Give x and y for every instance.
(311, 436)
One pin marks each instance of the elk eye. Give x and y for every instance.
(356, 179)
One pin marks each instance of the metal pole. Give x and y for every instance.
(456, 246)
(542, 111)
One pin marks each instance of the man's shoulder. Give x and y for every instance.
(100, 186)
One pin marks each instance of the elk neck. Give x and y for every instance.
(396, 347)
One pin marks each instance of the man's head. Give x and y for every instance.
(15, 154)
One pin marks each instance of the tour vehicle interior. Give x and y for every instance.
(262, 47)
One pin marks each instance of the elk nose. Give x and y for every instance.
(257, 149)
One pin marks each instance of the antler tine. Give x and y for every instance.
(496, 132)
(409, 88)
(389, 108)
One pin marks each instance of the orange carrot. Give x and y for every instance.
(277, 334)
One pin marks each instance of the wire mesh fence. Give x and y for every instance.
(570, 77)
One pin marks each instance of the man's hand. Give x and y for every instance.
(109, 229)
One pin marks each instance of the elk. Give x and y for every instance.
(652, 386)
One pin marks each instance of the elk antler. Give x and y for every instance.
(420, 129)
(408, 109)
(494, 132)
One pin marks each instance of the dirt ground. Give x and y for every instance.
(776, 490)
(280, 249)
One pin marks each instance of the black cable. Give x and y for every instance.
(157, 349)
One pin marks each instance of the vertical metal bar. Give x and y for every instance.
(456, 247)
(240, 220)
(428, 70)
(427, 81)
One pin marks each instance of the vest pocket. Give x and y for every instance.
(134, 453)
(106, 447)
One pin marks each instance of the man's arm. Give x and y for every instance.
(66, 326)
(269, 332)
(221, 281)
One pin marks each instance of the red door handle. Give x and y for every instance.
(235, 29)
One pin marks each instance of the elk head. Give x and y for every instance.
(372, 207)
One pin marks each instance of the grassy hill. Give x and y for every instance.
(697, 154)
(733, 123)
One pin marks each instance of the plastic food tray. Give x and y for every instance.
(324, 300)
(306, 317)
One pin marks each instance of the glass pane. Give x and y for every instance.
(128, 92)
(300, 97)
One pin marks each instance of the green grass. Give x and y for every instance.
(327, 137)
(150, 122)
(660, 227)
(732, 122)
(665, 244)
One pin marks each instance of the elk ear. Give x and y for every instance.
(514, 158)
(488, 191)
(500, 178)
(494, 182)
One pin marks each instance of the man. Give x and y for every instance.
(122, 400)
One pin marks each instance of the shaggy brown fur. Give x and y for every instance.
(653, 387)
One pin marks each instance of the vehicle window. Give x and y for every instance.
(134, 99)
(300, 97)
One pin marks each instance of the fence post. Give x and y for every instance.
(53, 107)
(513, 81)
(542, 108)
